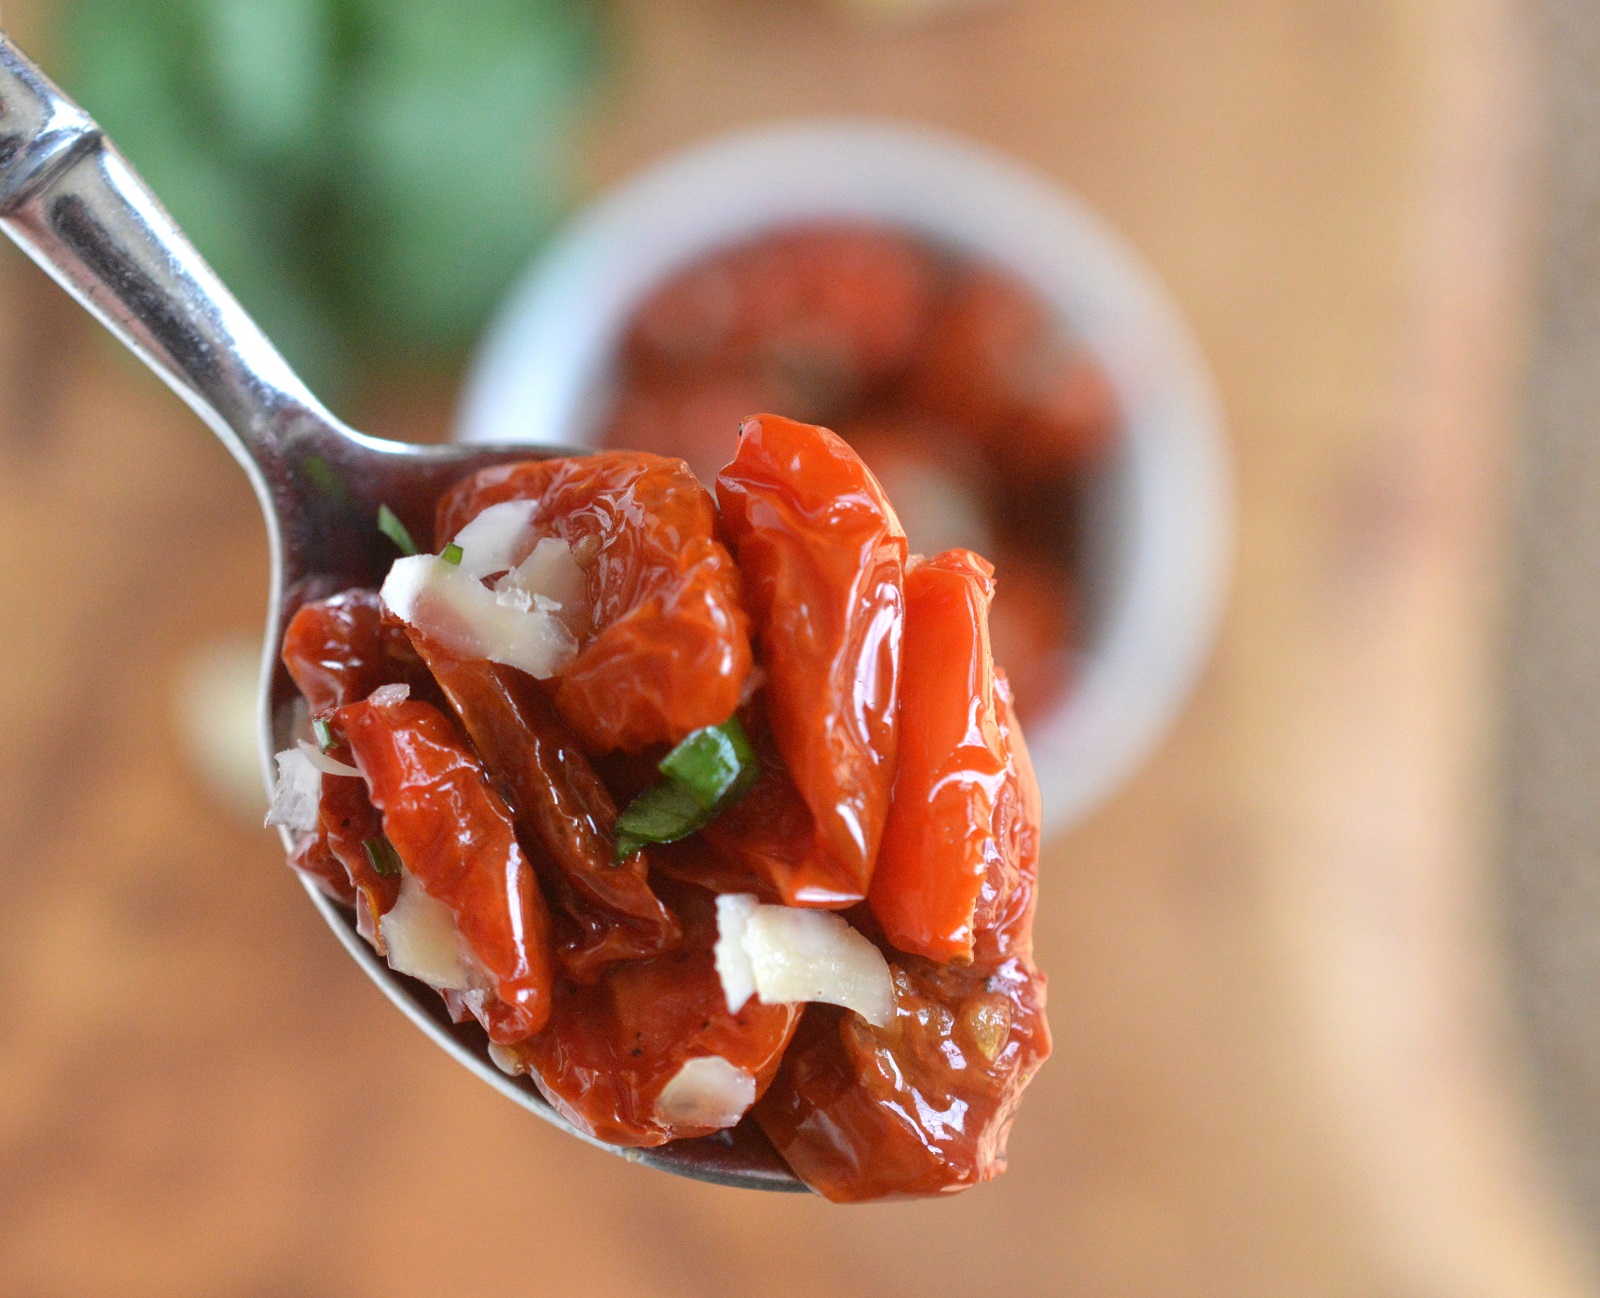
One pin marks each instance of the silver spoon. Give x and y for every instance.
(74, 205)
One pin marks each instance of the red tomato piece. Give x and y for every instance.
(925, 1106)
(846, 300)
(455, 834)
(996, 362)
(313, 858)
(941, 829)
(670, 647)
(347, 819)
(341, 649)
(823, 557)
(605, 909)
(612, 1047)
(921, 1107)
(1003, 917)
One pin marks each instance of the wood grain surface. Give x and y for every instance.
(1282, 1063)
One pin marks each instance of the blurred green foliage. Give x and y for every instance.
(366, 175)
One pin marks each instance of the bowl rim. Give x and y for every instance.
(535, 374)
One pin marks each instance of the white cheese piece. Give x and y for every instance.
(327, 765)
(550, 579)
(792, 954)
(420, 939)
(461, 613)
(734, 910)
(385, 695)
(706, 1092)
(491, 542)
(297, 792)
(507, 1060)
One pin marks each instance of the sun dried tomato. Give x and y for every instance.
(610, 1048)
(940, 833)
(455, 834)
(925, 1105)
(823, 557)
(841, 306)
(996, 362)
(313, 858)
(1003, 917)
(347, 819)
(605, 909)
(341, 649)
(670, 648)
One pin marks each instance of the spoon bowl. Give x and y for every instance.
(71, 201)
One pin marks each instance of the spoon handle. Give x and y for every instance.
(74, 205)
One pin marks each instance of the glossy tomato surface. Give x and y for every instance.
(925, 1105)
(823, 558)
(942, 823)
(669, 648)
(455, 834)
(604, 908)
(339, 650)
(611, 1047)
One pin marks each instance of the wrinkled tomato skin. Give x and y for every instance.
(920, 1107)
(823, 557)
(605, 909)
(611, 1047)
(339, 650)
(1003, 916)
(670, 646)
(456, 835)
(942, 830)
(925, 1106)
(346, 819)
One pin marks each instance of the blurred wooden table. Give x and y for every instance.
(1281, 1064)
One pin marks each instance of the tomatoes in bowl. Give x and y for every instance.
(961, 389)
(709, 806)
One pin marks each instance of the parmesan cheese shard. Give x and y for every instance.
(790, 954)
(551, 580)
(491, 542)
(297, 793)
(455, 608)
(327, 765)
(706, 1092)
(420, 939)
(734, 910)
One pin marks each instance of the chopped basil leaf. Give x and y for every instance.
(324, 733)
(706, 774)
(663, 813)
(711, 761)
(395, 530)
(451, 553)
(385, 860)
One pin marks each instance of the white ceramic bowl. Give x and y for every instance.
(1159, 521)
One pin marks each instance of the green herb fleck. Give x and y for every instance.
(385, 860)
(705, 775)
(712, 762)
(395, 530)
(324, 733)
(451, 553)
